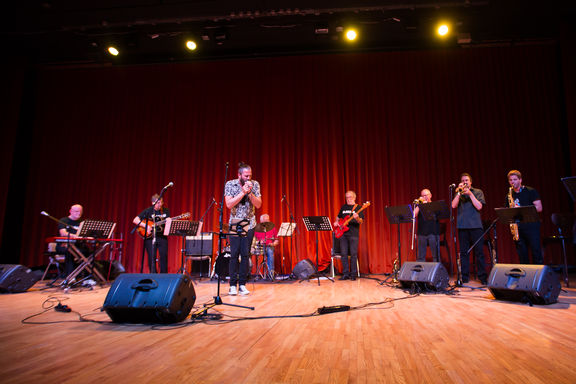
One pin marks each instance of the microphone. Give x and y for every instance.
(452, 186)
(170, 184)
(214, 201)
(283, 197)
(44, 213)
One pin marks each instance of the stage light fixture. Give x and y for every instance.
(351, 34)
(113, 50)
(191, 45)
(443, 30)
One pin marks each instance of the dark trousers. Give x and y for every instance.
(240, 246)
(467, 237)
(162, 248)
(349, 246)
(529, 237)
(423, 242)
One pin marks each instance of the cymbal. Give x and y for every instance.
(264, 227)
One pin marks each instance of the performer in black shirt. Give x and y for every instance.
(350, 238)
(469, 202)
(69, 229)
(529, 233)
(156, 213)
(428, 230)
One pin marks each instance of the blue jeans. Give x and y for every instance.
(270, 258)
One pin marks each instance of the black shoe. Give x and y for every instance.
(344, 277)
(352, 277)
(484, 282)
(465, 280)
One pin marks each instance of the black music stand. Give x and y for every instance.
(317, 224)
(97, 230)
(517, 215)
(436, 210)
(570, 185)
(181, 228)
(400, 214)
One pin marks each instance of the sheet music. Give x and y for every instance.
(286, 229)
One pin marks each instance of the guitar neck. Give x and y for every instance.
(358, 211)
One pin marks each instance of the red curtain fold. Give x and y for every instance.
(383, 124)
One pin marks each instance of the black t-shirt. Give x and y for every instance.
(161, 215)
(353, 224)
(527, 196)
(73, 223)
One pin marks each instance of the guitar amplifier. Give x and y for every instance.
(537, 284)
(150, 298)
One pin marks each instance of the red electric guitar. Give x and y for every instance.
(343, 223)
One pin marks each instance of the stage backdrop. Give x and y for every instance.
(383, 124)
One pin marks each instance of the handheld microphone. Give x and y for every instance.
(44, 213)
(283, 197)
(170, 184)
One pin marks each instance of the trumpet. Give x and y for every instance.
(462, 189)
(418, 201)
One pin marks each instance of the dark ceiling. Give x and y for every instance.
(78, 31)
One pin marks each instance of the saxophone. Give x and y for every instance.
(513, 226)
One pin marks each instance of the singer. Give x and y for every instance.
(469, 203)
(157, 212)
(242, 198)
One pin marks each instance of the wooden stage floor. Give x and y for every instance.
(467, 337)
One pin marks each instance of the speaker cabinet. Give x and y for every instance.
(304, 269)
(537, 284)
(432, 276)
(150, 298)
(16, 278)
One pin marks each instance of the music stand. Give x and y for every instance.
(399, 214)
(317, 224)
(181, 228)
(570, 185)
(98, 230)
(436, 210)
(518, 215)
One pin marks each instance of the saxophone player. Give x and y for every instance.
(528, 233)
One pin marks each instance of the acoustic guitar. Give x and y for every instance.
(343, 223)
(142, 232)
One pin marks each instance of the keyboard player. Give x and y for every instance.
(72, 221)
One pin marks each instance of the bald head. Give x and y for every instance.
(426, 195)
(264, 218)
(76, 212)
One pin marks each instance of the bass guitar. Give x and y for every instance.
(343, 223)
(142, 232)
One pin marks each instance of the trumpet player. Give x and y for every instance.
(469, 202)
(528, 233)
(428, 231)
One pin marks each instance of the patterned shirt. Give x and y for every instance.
(244, 209)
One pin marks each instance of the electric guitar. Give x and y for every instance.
(142, 232)
(343, 223)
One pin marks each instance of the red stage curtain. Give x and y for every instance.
(383, 124)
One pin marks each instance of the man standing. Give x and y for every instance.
(350, 238)
(145, 219)
(69, 228)
(469, 202)
(242, 198)
(529, 233)
(428, 230)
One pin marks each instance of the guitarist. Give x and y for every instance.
(156, 213)
(350, 238)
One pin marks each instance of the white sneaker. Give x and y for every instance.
(233, 291)
(243, 290)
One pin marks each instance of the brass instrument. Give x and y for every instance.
(513, 226)
(395, 270)
(462, 189)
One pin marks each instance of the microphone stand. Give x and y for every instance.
(297, 230)
(221, 236)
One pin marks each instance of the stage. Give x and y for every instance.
(464, 337)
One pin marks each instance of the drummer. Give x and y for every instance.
(266, 234)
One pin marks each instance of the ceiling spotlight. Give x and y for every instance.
(351, 34)
(113, 51)
(443, 30)
(191, 45)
